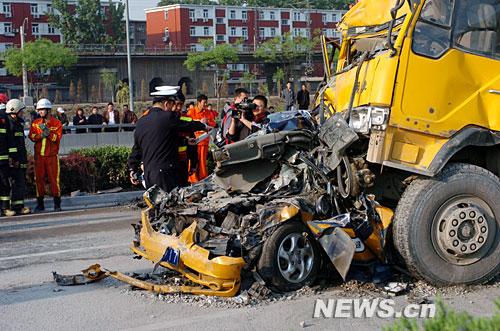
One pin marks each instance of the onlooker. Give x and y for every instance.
(289, 96)
(46, 133)
(128, 117)
(303, 98)
(63, 118)
(271, 109)
(248, 123)
(111, 118)
(240, 95)
(95, 119)
(80, 119)
(201, 113)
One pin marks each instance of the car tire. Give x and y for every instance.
(439, 224)
(285, 268)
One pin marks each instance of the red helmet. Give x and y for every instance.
(4, 98)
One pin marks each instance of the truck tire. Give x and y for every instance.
(447, 228)
(290, 258)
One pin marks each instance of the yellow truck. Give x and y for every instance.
(419, 81)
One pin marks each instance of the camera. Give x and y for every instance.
(244, 109)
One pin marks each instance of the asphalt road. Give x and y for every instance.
(32, 247)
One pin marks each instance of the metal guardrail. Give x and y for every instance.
(139, 49)
(67, 129)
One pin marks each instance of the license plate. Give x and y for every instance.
(172, 256)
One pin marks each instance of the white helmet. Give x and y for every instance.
(2, 106)
(43, 104)
(61, 110)
(14, 106)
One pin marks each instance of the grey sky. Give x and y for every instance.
(137, 8)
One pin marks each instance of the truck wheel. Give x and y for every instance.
(290, 258)
(447, 228)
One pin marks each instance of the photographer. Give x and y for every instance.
(247, 118)
(222, 138)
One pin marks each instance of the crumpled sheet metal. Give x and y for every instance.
(337, 136)
(94, 273)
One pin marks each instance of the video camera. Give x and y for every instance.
(244, 109)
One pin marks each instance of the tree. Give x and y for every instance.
(71, 90)
(248, 79)
(278, 77)
(217, 57)
(93, 94)
(122, 96)
(39, 57)
(109, 79)
(86, 23)
(79, 90)
(286, 50)
(144, 90)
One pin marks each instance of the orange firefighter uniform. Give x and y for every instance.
(198, 114)
(46, 134)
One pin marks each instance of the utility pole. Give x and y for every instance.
(129, 58)
(25, 73)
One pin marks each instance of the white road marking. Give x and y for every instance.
(24, 256)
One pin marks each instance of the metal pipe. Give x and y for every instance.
(129, 59)
(25, 73)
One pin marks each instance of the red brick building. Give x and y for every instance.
(183, 27)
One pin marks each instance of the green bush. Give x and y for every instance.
(447, 319)
(111, 165)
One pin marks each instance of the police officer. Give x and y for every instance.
(7, 155)
(156, 142)
(17, 171)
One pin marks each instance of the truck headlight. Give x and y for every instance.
(362, 119)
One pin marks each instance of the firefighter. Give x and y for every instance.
(19, 164)
(201, 113)
(7, 155)
(156, 143)
(46, 133)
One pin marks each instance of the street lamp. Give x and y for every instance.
(25, 73)
(129, 58)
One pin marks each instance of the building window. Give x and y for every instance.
(272, 16)
(7, 9)
(232, 14)
(166, 15)
(261, 15)
(262, 32)
(334, 17)
(220, 20)
(244, 15)
(206, 31)
(166, 33)
(192, 31)
(323, 18)
(49, 10)
(7, 28)
(34, 9)
(35, 29)
(233, 31)
(296, 16)
(51, 29)
(220, 37)
(284, 22)
(193, 48)
(244, 32)
(191, 14)
(205, 13)
(273, 32)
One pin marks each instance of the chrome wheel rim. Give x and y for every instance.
(295, 258)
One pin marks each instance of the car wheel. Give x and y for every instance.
(290, 258)
(447, 228)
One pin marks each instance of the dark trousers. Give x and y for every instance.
(183, 173)
(18, 182)
(4, 188)
(165, 177)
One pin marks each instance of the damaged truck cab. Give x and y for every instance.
(419, 81)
